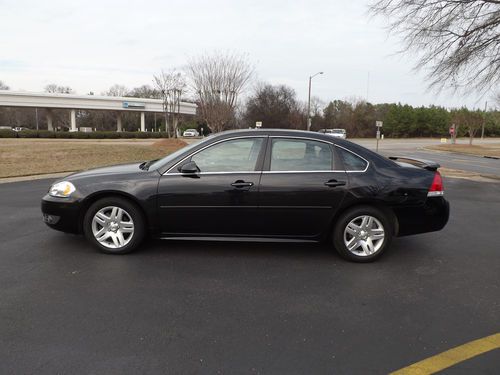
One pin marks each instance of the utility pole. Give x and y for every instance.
(484, 119)
(367, 86)
(36, 118)
(309, 101)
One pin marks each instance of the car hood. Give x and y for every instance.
(113, 169)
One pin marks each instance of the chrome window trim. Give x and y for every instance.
(318, 171)
(269, 172)
(359, 156)
(210, 145)
(209, 173)
(307, 138)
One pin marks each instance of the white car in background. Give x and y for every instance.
(337, 133)
(190, 133)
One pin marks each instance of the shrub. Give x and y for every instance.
(27, 134)
(80, 135)
(6, 133)
(46, 134)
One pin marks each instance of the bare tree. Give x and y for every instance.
(218, 80)
(275, 107)
(471, 120)
(54, 88)
(458, 41)
(171, 86)
(3, 86)
(117, 90)
(145, 91)
(497, 99)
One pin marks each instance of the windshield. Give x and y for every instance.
(157, 164)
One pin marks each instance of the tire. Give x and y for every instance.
(367, 230)
(114, 225)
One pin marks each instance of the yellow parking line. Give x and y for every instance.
(451, 357)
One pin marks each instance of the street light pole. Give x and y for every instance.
(309, 101)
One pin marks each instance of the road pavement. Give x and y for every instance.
(236, 308)
(416, 148)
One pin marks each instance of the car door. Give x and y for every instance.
(221, 198)
(302, 186)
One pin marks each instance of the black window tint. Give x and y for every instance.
(300, 155)
(238, 155)
(351, 161)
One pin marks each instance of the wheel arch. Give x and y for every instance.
(94, 197)
(387, 210)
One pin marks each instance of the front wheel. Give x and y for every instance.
(114, 225)
(362, 234)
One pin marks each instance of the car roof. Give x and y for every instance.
(284, 133)
(228, 134)
(272, 132)
(363, 151)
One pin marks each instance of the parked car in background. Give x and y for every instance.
(19, 128)
(337, 133)
(279, 185)
(191, 133)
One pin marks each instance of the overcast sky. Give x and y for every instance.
(91, 45)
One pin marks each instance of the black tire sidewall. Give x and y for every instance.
(130, 208)
(346, 217)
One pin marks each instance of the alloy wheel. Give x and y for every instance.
(364, 235)
(112, 227)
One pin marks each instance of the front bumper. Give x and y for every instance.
(430, 217)
(61, 214)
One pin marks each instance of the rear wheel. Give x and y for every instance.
(362, 234)
(114, 225)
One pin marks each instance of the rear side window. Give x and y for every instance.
(300, 155)
(351, 161)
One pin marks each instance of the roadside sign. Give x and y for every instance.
(133, 105)
(444, 140)
(378, 124)
(258, 124)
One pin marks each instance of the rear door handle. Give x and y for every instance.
(334, 183)
(241, 184)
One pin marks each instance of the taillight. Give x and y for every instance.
(437, 188)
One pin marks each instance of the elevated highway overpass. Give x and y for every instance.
(118, 105)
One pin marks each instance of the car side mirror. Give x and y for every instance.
(189, 168)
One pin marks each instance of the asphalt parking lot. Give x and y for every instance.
(196, 307)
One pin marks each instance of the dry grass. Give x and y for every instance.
(492, 149)
(22, 157)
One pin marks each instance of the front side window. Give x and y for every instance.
(237, 155)
(300, 155)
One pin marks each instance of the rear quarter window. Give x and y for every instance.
(351, 161)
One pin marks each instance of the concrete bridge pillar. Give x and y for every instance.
(143, 122)
(119, 122)
(73, 120)
(50, 120)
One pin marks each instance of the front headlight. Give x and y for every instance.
(62, 189)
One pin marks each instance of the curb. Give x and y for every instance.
(459, 153)
(6, 180)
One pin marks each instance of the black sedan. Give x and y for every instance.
(267, 185)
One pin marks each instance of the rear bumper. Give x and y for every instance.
(61, 214)
(430, 217)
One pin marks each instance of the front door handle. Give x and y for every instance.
(241, 184)
(334, 183)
